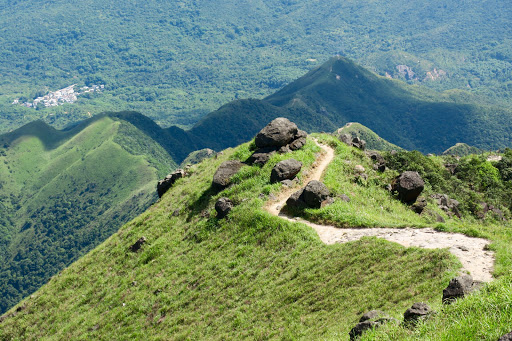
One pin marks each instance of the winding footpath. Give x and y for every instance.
(471, 252)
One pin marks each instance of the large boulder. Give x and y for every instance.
(458, 288)
(296, 200)
(165, 184)
(417, 312)
(286, 169)
(221, 178)
(370, 320)
(277, 133)
(409, 186)
(223, 206)
(315, 193)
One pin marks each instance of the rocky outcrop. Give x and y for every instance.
(314, 195)
(281, 135)
(417, 312)
(450, 206)
(223, 206)
(165, 184)
(277, 133)
(284, 170)
(458, 288)
(370, 320)
(221, 178)
(486, 208)
(409, 186)
(419, 205)
(138, 244)
(379, 163)
(352, 141)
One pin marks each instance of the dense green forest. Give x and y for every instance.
(176, 61)
(64, 192)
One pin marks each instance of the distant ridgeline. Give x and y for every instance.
(340, 91)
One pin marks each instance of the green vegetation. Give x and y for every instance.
(373, 141)
(64, 192)
(340, 91)
(176, 61)
(251, 276)
(462, 149)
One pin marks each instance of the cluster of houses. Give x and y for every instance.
(59, 97)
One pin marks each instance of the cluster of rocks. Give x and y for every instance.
(450, 206)
(459, 287)
(281, 136)
(379, 163)
(165, 184)
(486, 208)
(314, 195)
(352, 141)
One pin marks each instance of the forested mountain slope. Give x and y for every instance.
(63, 192)
(340, 91)
(176, 61)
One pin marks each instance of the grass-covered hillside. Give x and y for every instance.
(340, 91)
(373, 141)
(175, 61)
(257, 276)
(64, 192)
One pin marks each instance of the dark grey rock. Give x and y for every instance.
(419, 205)
(359, 143)
(409, 186)
(416, 312)
(370, 320)
(315, 193)
(284, 149)
(451, 167)
(261, 156)
(277, 133)
(458, 288)
(297, 143)
(138, 244)
(176, 213)
(222, 176)
(346, 138)
(506, 337)
(286, 169)
(165, 184)
(296, 200)
(223, 206)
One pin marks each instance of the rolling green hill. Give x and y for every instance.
(63, 192)
(257, 276)
(176, 61)
(373, 141)
(340, 91)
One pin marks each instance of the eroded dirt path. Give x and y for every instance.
(471, 252)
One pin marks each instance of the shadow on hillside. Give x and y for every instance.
(199, 206)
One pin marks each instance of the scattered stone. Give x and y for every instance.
(346, 138)
(315, 193)
(165, 184)
(277, 133)
(362, 178)
(296, 200)
(506, 337)
(222, 176)
(359, 169)
(409, 186)
(138, 244)
(458, 288)
(261, 156)
(359, 143)
(344, 197)
(463, 248)
(176, 213)
(286, 169)
(416, 312)
(370, 320)
(419, 205)
(223, 206)
(289, 183)
(450, 206)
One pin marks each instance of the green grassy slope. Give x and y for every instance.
(63, 192)
(462, 149)
(373, 141)
(176, 61)
(252, 276)
(341, 91)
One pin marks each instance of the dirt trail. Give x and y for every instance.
(470, 251)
